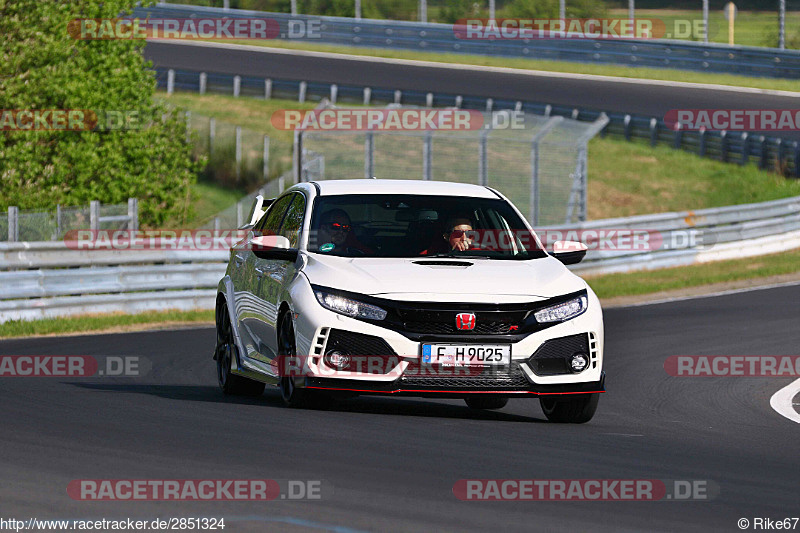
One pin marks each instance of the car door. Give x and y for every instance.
(249, 308)
(274, 276)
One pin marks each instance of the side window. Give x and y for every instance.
(293, 221)
(271, 221)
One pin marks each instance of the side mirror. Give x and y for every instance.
(569, 252)
(273, 247)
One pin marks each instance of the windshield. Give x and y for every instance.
(371, 225)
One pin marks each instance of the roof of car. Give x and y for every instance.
(421, 187)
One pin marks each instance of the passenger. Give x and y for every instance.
(336, 233)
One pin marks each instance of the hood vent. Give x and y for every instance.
(440, 263)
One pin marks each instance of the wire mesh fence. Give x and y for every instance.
(36, 225)
(539, 163)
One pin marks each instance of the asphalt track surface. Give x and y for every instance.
(643, 99)
(392, 462)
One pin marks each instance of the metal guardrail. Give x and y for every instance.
(135, 281)
(430, 37)
(740, 147)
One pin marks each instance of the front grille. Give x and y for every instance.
(444, 322)
(552, 357)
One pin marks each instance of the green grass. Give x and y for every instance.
(92, 323)
(544, 65)
(625, 178)
(633, 178)
(210, 199)
(751, 28)
(648, 282)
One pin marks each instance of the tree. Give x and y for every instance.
(46, 68)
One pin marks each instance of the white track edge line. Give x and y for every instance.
(781, 401)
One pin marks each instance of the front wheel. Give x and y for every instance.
(574, 409)
(291, 394)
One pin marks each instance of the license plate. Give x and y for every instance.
(467, 354)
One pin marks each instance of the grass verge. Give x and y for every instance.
(670, 279)
(93, 323)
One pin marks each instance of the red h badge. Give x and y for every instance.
(465, 321)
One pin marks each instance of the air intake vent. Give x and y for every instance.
(461, 264)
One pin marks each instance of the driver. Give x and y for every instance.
(460, 236)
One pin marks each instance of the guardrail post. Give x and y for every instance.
(13, 223)
(489, 105)
(518, 106)
(238, 152)
(483, 159)
(678, 136)
(265, 157)
(398, 95)
(745, 148)
(779, 152)
(358, 10)
(301, 92)
(297, 156)
(763, 155)
(369, 155)
(427, 156)
(796, 160)
(423, 10)
(170, 81)
(723, 146)
(267, 89)
(334, 92)
(429, 100)
(702, 144)
(133, 214)
(217, 224)
(58, 221)
(627, 122)
(94, 215)
(653, 131)
(548, 109)
(293, 7)
(237, 86)
(575, 113)
(212, 133)
(459, 101)
(367, 95)
(203, 82)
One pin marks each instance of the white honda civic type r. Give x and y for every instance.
(395, 287)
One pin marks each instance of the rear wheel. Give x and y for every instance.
(226, 352)
(575, 409)
(485, 401)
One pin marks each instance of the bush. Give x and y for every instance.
(51, 70)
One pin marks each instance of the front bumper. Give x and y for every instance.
(450, 387)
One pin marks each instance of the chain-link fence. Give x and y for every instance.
(539, 164)
(33, 225)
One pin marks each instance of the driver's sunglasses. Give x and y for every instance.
(335, 226)
(458, 233)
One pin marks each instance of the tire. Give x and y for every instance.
(485, 401)
(231, 384)
(577, 409)
(291, 394)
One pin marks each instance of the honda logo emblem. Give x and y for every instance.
(465, 321)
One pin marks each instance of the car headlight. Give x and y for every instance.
(562, 312)
(349, 307)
